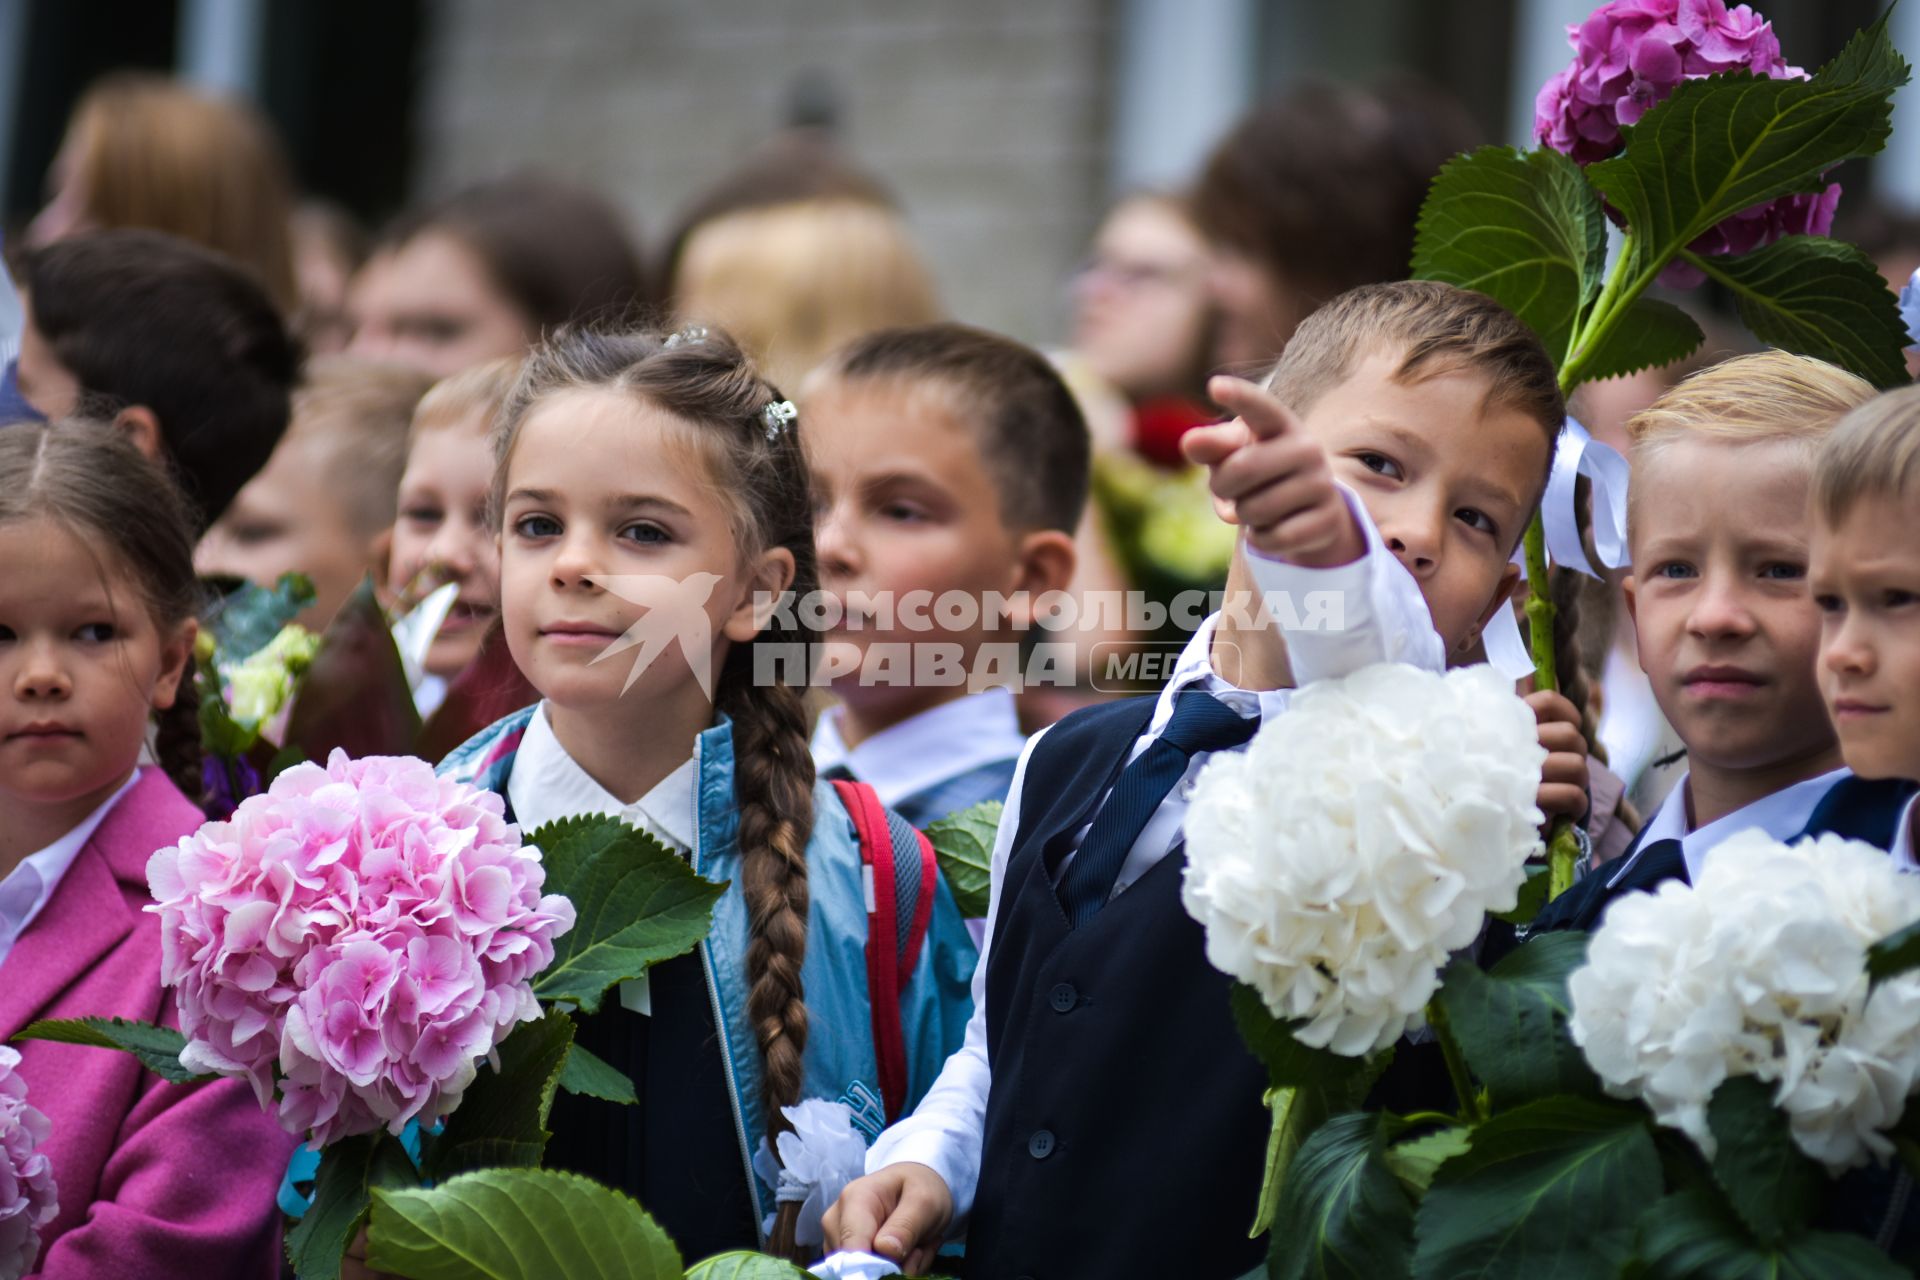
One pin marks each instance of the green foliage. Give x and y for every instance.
(502, 1116)
(1819, 298)
(963, 846)
(1523, 228)
(1895, 954)
(246, 620)
(349, 1170)
(1651, 333)
(589, 1075)
(1343, 1213)
(1693, 1235)
(1511, 1021)
(1289, 1063)
(1539, 1192)
(635, 902)
(1767, 1180)
(158, 1048)
(1415, 1160)
(745, 1266)
(517, 1224)
(1533, 896)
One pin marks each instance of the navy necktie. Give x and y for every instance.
(1200, 723)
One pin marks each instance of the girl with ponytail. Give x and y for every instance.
(656, 527)
(97, 604)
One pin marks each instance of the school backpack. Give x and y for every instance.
(897, 870)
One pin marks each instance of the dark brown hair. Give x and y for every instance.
(708, 383)
(1323, 185)
(141, 318)
(559, 252)
(1028, 425)
(91, 480)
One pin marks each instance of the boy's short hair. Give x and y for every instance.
(1768, 395)
(357, 413)
(475, 392)
(1442, 329)
(1029, 427)
(1874, 452)
(143, 318)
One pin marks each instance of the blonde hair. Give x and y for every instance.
(1769, 395)
(357, 412)
(472, 393)
(793, 281)
(1873, 452)
(149, 152)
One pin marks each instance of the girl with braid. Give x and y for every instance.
(97, 604)
(653, 501)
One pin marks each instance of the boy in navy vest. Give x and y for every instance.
(1104, 1117)
(952, 465)
(1727, 631)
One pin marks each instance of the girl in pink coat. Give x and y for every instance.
(97, 599)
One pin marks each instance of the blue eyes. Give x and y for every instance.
(537, 528)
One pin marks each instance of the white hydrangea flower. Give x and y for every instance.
(1361, 839)
(1759, 969)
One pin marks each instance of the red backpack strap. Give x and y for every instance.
(899, 870)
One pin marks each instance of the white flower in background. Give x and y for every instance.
(1759, 970)
(818, 1158)
(27, 1198)
(259, 686)
(1361, 839)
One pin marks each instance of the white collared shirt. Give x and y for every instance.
(1386, 619)
(547, 785)
(1782, 815)
(26, 890)
(925, 750)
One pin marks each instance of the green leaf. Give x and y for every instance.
(1533, 896)
(1769, 1182)
(156, 1047)
(1651, 334)
(1511, 1022)
(1524, 228)
(1289, 1063)
(246, 620)
(635, 902)
(1728, 142)
(586, 1074)
(502, 1117)
(349, 1169)
(1820, 298)
(963, 845)
(745, 1266)
(1416, 1160)
(1695, 1236)
(1895, 954)
(1537, 1193)
(1342, 1212)
(517, 1224)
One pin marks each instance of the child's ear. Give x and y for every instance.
(1047, 562)
(380, 563)
(765, 581)
(1502, 592)
(140, 425)
(176, 658)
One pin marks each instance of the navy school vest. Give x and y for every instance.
(1125, 1133)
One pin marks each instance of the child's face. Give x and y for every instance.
(82, 665)
(442, 536)
(1866, 584)
(1449, 481)
(612, 517)
(291, 518)
(432, 304)
(906, 504)
(1726, 627)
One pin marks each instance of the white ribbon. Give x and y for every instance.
(854, 1266)
(1910, 310)
(1576, 454)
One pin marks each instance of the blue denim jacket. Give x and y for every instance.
(935, 999)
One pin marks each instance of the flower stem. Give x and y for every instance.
(1463, 1089)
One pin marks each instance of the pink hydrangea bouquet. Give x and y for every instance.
(356, 939)
(27, 1197)
(1630, 55)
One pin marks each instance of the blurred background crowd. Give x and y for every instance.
(1150, 190)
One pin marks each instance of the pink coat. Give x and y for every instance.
(155, 1180)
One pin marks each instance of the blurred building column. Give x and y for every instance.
(220, 44)
(13, 53)
(1539, 50)
(1185, 72)
(1896, 171)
